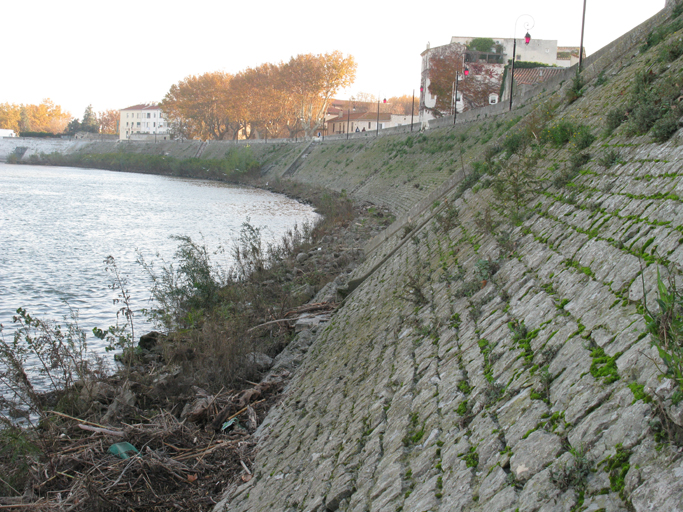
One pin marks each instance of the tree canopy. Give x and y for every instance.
(45, 117)
(201, 105)
(481, 44)
(272, 99)
(365, 102)
(90, 122)
(108, 121)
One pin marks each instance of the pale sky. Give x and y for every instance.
(117, 54)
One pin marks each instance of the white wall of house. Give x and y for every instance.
(400, 120)
(7, 133)
(538, 50)
(142, 119)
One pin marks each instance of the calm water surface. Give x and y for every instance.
(58, 224)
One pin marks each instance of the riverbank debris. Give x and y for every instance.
(179, 461)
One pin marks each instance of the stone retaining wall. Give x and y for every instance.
(486, 366)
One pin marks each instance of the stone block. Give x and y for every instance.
(534, 453)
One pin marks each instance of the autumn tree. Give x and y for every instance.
(366, 102)
(270, 100)
(9, 116)
(402, 105)
(443, 65)
(108, 121)
(202, 106)
(44, 117)
(263, 106)
(312, 81)
(482, 80)
(363, 102)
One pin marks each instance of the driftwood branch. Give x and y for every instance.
(77, 419)
(272, 322)
(306, 308)
(101, 430)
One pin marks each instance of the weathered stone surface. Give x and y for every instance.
(562, 503)
(604, 503)
(492, 484)
(462, 366)
(662, 491)
(537, 491)
(534, 453)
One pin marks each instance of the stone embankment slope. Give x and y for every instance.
(275, 157)
(487, 365)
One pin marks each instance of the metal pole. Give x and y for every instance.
(583, 23)
(412, 111)
(348, 118)
(378, 115)
(512, 72)
(455, 102)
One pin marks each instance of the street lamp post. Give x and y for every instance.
(422, 89)
(583, 23)
(348, 115)
(527, 38)
(412, 111)
(385, 100)
(465, 72)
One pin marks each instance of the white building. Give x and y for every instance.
(143, 122)
(538, 50)
(7, 133)
(488, 67)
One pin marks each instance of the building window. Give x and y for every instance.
(149, 115)
(138, 123)
(519, 57)
(369, 124)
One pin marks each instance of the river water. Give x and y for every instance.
(58, 224)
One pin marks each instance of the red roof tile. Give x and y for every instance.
(535, 75)
(143, 106)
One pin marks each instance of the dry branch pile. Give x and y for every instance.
(182, 464)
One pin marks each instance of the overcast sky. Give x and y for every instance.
(117, 54)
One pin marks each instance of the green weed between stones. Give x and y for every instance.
(617, 466)
(603, 366)
(666, 328)
(639, 393)
(470, 457)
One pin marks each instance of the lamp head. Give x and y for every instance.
(466, 72)
(527, 38)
